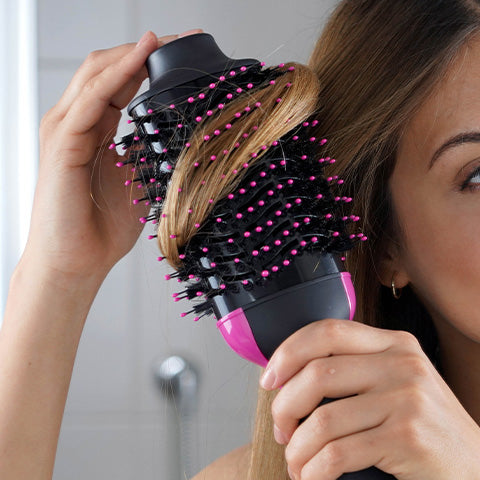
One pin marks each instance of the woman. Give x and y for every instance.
(398, 89)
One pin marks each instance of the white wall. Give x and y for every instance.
(116, 423)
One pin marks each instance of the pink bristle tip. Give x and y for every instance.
(303, 243)
(111, 146)
(199, 294)
(295, 137)
(306, 220)
(288, 205)
(258, 229)
(274, 268)
(286, 262)
(278, 242)
(236, 260)
(197, 225)
(231, 196)
(119, 164)
(223, 286)
(206, 137)
(204, 249)
(168, 277)
(269, 223)
(164, 215)
(220, 106)
(261, 203)
(142, 220)
(296, 224)
(245, 282)
(328, 216)
(335, 234)
(255, 253)
(246, 234)
(225, 152)
(187, 144)
(212, 85)
(319, 196)
(210, 200)
(364, 238)
(293, 252)
(213, 158)
(201, 96)
(160, 259)
(174, 295)
(181, 256)
(278, 213)
(190, 100)
(219, 220)
(173, 235)
(172, 106)
(265, 273)
(196, 319)
(198, 119)
(183, 314)
(230, 240)
(314, 239)
(209, 113)
(190, 210)
(127, 183)
(196, 164)
(239, 215)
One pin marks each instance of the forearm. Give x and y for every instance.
(43, 322)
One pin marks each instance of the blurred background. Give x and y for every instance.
(118, 423)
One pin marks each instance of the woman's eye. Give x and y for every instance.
(473, 180)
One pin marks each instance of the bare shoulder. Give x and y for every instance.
(232, 466)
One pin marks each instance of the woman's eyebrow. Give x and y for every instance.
(459, 139)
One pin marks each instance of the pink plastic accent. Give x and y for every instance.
(237, 333)
(350, 291)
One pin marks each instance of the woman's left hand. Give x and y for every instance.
(400, 415)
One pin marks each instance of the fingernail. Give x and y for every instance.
(143, 39)
(279, 436)
(268, 379)
(290, 474)
(189, 32)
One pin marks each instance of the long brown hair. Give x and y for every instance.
(373, 66)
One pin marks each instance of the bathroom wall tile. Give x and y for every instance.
(73, 29)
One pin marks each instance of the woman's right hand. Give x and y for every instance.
(83, 220)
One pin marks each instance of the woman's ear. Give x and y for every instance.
(391, 267)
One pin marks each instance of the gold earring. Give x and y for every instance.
(396, 292)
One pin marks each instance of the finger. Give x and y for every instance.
(322, 339)
(352, 453)
(98, 93)
(95, 63)
(332, 421)
(332, 377)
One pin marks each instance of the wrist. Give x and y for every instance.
(31, 267)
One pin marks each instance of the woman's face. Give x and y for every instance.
(436, 194)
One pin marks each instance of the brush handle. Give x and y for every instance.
(256, 330)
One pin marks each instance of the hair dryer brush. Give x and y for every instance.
(256, 236)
